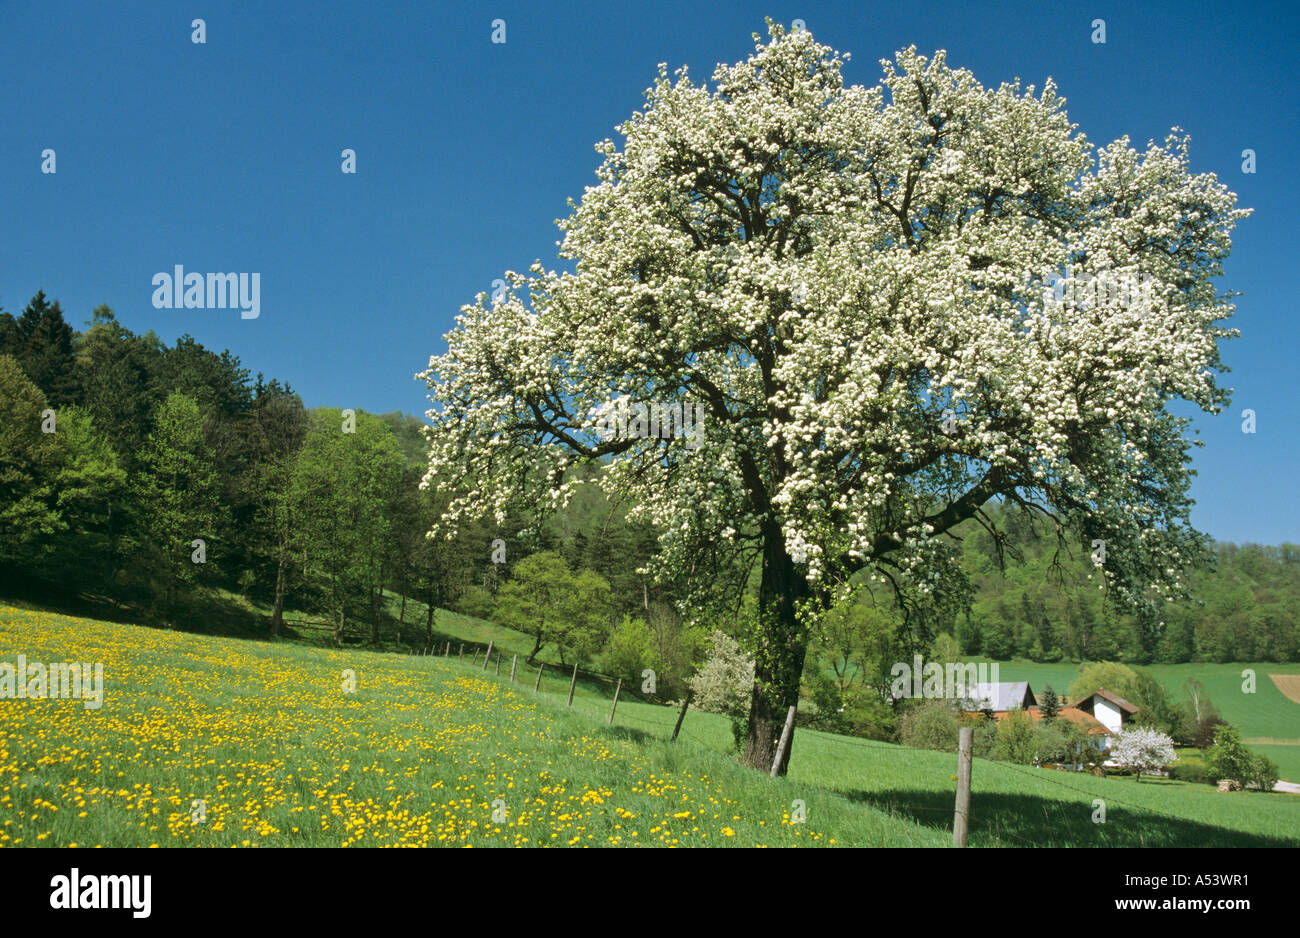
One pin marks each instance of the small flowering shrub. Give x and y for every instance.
(1143, 750)
(726, 679)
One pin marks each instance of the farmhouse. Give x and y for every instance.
(1108, 709)
(1101, 714)
(1003, 695)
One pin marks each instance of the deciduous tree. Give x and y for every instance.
(1143, 749)
(176, 490)
(893, 304)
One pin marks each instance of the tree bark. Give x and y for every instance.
(428, 620)
(374, 617)
(277, 610)
(778, 664)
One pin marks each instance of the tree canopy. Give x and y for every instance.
(893, 305)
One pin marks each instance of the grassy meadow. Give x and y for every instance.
(427, 749)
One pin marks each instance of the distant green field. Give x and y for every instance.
(1286, 758)
(428, 748)
(1266, 712)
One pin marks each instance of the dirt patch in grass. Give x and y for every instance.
(1269, 741)
(1288, 684)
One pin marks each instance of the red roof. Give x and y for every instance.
(1090, 723)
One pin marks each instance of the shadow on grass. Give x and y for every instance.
(36, 595)
(202, 612)
(635, 735)
(222, 615)
(1005, 820)
(214, 612)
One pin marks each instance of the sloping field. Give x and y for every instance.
(423, 753)
(212, 741)
(1288, 684)
(1265, 712)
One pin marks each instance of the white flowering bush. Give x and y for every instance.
(1143, 750)
(725, 681)
(865, 289)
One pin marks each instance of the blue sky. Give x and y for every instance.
(226, 157)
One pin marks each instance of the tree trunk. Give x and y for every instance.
(778, 664)
(277, 609)
(536, 648)
(428, 621)
(374, 618)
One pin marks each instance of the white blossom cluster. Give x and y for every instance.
(623, 419)
(1143, 749)
(830, 268)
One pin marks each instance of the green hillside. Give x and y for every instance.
(1265, 714)
(427, 748)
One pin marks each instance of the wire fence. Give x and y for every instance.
(989, 827)
(629, 688)
(476, 652)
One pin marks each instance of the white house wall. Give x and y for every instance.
(1107, 714)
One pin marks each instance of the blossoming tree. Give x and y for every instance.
(1143, 749)
(893, 304)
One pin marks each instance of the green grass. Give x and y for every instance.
(420, 753)
(448, 626)
(1012, 805)
(1286, 758)
(1265, 714)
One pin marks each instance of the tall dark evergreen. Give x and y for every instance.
(1049, 704)
(119, 376)
(41, 340)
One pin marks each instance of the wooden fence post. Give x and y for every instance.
(513, 661)
(961, 817)
(462, 650)
(446, 652)
(473, 661)
(681, 716)
(785, 740)
(539, 678)
(498, 664)
(615, 707)
(572, 683)
(487, 654)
